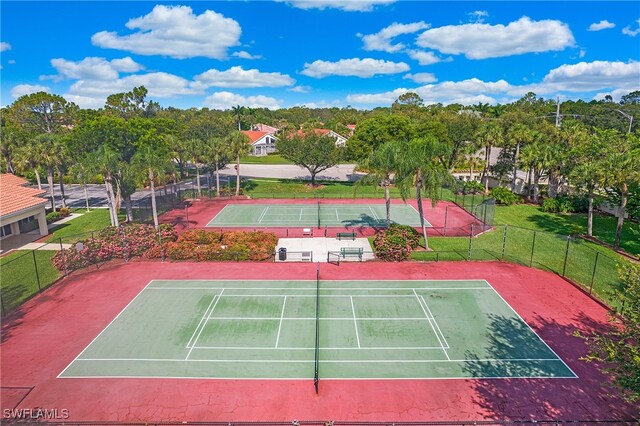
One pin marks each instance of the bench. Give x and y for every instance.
(307, 231)
(307, 256)
(347, 235)
(351, 252)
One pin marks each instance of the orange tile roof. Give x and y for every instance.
(255, 136)
(15, 197)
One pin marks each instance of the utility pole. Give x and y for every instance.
(630, 117)
(558, 112)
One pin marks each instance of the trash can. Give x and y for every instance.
(282, 253)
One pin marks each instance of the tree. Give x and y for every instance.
(42, 113)
(517, 136)
(27, 157)
(217, 154)
(237, 112)
(380, 165)
(418, 167)
(619, 347)
(153, 161)
(375, 131)
(410, 99)
(83, 170)
(310, 150)
(239, 145)
(46, 153)
(488, 135)
(620, 164)
(632, 98)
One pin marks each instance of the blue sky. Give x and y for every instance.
(319, 52)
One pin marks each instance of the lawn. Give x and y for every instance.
(291, 188)
(81, 227)
(24, 273)
(265, 159)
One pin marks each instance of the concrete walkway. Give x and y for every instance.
(45, 246)
(316, 249)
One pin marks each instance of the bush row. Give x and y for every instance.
(201, 245)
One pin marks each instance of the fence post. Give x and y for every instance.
(533, 246)
(470, 243)
(2, 304)
(64, 260)
(504, 240)
(593, 274)
(446, 213)
(35, 266)
(566, 255)
(124, 245)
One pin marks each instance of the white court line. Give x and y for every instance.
(300, 218)
(532, 330)
(204, 318)
(314, 318)
(337, 217)
(446, 344)
(198, 336)
(326, 378)
(281, 316)
(104, 329)
(431, 324)
(408, 361)
(427, 224)
(355, 322)
(324, 348)
(374, 214)
(264, 211)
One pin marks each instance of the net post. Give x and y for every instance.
(504, 240)
(470, 243)
(533, 246)
(318, 213)
(446, 213)
(35, 266)
(593, 274)
(566, 255)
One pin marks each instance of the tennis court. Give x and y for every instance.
(349, 329)
(317, 214)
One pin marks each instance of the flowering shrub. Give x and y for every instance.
(201, 246)
(120, 242)
(396, 242)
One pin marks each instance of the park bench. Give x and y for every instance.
(351, 252)
(346, 235)
(307, 232)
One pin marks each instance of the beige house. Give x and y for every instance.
(22, 209)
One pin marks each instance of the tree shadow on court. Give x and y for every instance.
(365, 221)
(587, 397)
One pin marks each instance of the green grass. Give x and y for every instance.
(292, 188)
(604, 226)
(81, 227)
(265, 159)
(19, 280)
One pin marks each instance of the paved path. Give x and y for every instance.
(41, 246)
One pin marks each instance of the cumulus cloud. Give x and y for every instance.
(225, 100)
(4, 46)
(599, 76)
(478, 16)
(346, 5)
(245, 55)
(382, 39)
(237, 77)
(355, 67)
(426, 58)
(300, 89)
(27, 89)
(92, 68)
(421, 77)
(177, 32)
(628, 31)
(481, 41)
(602, 25)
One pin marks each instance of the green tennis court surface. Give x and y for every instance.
(307, 215)
(367, 329)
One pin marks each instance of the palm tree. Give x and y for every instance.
(46, 153)
(196, 152)
(489, 135)
(28, 157)
(153, 163)
(518, 135)
(82, 171)
(106, 163)
(419, 168)
(217, 152)
(380, 165)
(237, 112)
(239, 145)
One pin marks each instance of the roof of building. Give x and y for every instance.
(255, 136)
(16, 197)
(320, 132)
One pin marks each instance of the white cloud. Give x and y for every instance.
(382, 39)
(628, 31)
(346, 5)
(237, 77)
(11, 61)
(4, 46)
(481, 41)
(356, 67)
(92, 68)
(421, 77)
(427, 58)
(478, 16)
(245, 55)
(176, 32)
(602, 25)
(618, 78)
(225, 100)
(27, 89)
(300, 89)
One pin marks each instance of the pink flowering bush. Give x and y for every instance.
(396, 243)
(121, 242)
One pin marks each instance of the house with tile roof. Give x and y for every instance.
(340, 140)
(262, 143)
(22, 209)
